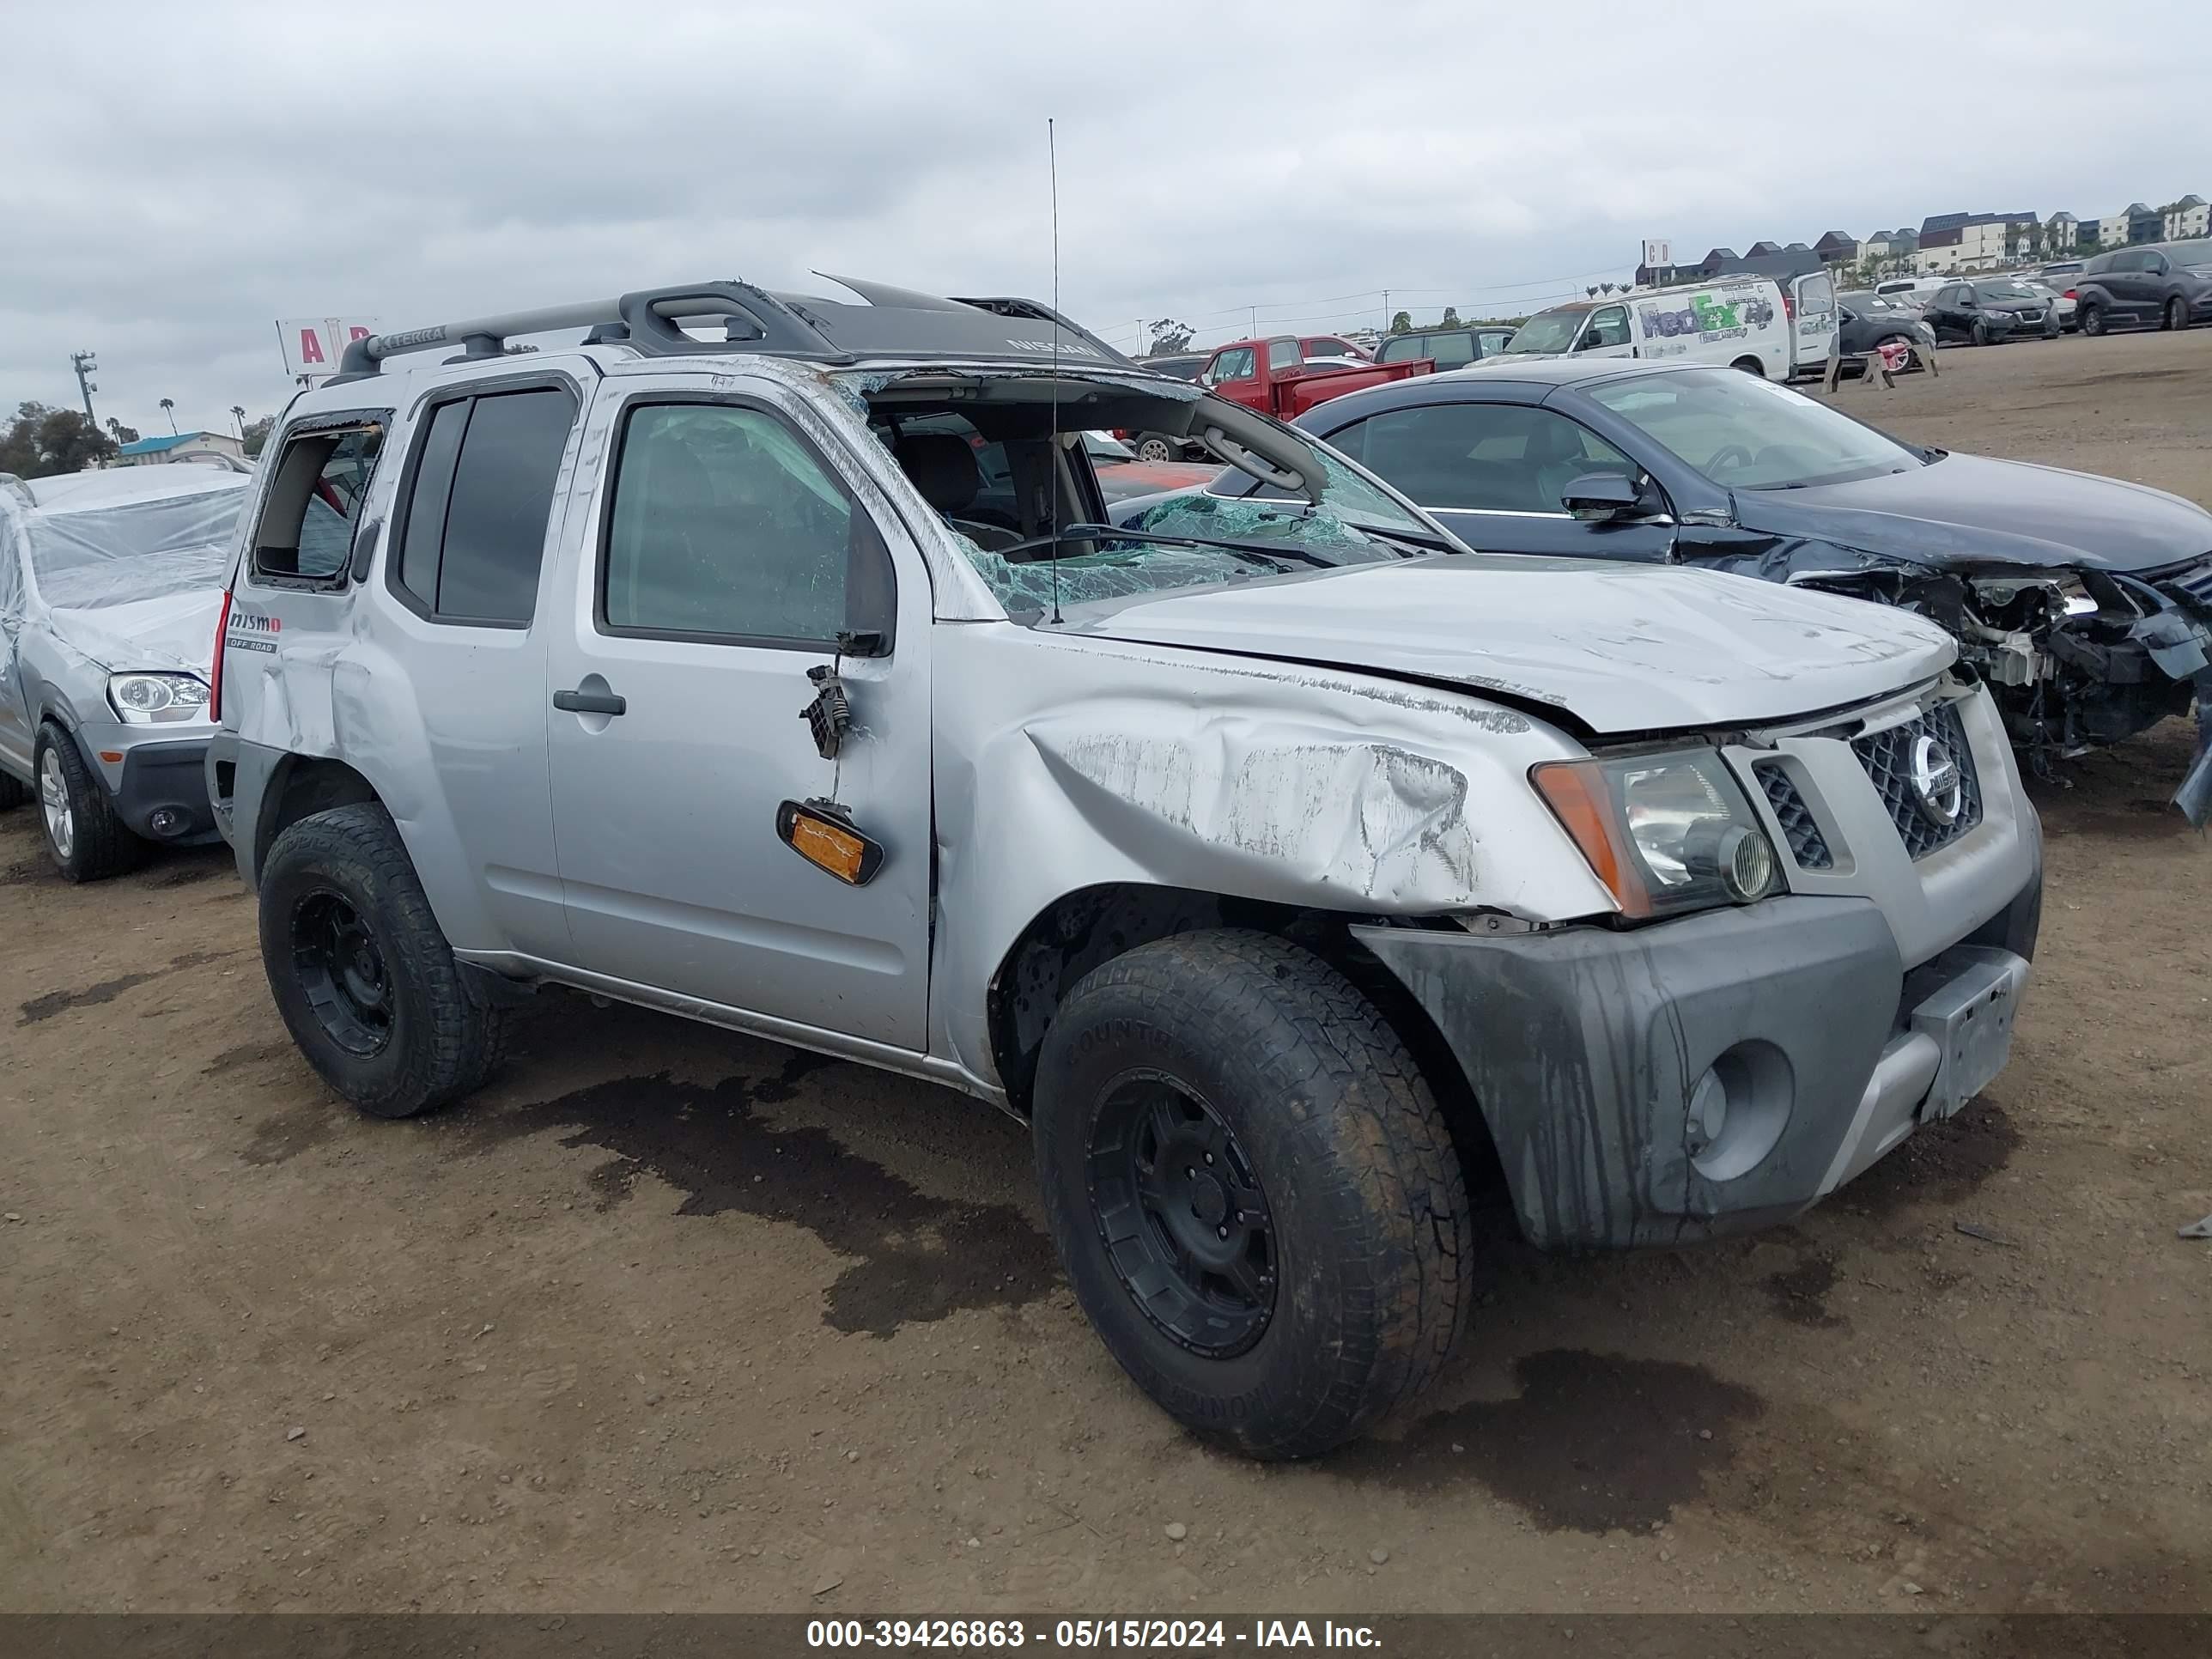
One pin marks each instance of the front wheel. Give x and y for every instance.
(1981, 332)
(360, 972)
(86, 841)
(1911, 357)
(1253, 1191)
(2177, 313)
(2093, 320)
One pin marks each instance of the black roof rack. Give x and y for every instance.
(891, 322)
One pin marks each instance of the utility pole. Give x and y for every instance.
(86, 368)
(1386, 311)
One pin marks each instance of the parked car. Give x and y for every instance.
(1447, 348)
(1330, 348)
(1273, 377)
(1255, 862)
(2163, 286)
(1739, 322)
(1989, 311)
(2061, 273)
(1866, 321)
(2084, 602)
(1914, 291)
(1184, 365)
(2061, 303)
(109, 585)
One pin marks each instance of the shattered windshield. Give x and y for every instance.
(1270, 539)
(1746, 433)
(136, 551)
(1552, 331)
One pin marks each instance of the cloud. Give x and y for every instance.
(182, 177)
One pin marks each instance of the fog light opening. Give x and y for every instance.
(165, 821)
(1737, 1110)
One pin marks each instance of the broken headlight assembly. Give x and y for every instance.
(1665, 832)
(157, 699)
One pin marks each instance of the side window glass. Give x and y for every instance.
(1453, 350)
(307, 525)
(1237, 365)
(1486, 458)
(1283, 354)
(11, 571)
(1398, 350)
(726, 525)
(1608, 326)
(483, 496)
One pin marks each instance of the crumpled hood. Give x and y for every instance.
(172, 631)
(1966, 510)
(1622, 647)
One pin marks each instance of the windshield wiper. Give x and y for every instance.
(1099, 532)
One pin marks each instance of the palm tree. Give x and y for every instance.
(169, 408)
(238, 414)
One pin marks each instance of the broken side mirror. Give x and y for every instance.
(1596, 497)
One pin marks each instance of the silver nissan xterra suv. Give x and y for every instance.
(766, 658)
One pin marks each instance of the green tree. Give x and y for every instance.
(43, 442)
(1169, 336)
(122, 434)
(1402, 323)
(256, 433)
(1451, 318)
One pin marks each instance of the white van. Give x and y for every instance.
(1739, 321)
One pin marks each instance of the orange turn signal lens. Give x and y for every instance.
(1577, 792)
(827, 841)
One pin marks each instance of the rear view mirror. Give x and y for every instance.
(1597, 496)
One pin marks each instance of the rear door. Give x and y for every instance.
(1495, 473)
(717, 557)
(1814, 324)
(15, 714)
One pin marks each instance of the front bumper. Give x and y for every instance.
(1591, 1050)
(157, 781)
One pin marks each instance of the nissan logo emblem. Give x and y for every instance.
(1937, 784)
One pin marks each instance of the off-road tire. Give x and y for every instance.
(2177, 314)
(100, 843)
(14, 791)
(444, 1041)
(2091, 319)
(1362, 1184)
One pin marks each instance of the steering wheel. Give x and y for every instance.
(1730, 456)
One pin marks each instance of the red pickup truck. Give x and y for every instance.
(1274, 377)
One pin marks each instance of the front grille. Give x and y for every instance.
(1806, 844)
(1887, 757)
(2031, 316)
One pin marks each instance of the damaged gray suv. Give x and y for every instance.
(765, 659)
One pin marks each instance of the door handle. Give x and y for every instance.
(590, 702)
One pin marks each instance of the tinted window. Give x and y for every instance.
(314, 501)
(725, 523)
(1399, 349)
(1449, 350)
(1498, 458)
(491, 501)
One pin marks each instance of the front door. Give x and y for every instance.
(15, 712)
(724, 552)
(1605, 334)
(1497, 474)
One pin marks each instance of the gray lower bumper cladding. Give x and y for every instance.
(1705, 1076)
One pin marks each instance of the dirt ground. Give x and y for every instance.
(667, 1319)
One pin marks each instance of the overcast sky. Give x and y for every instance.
(178, 177)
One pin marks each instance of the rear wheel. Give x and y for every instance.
(2092, 319)
(1153, 447)
(1912, 357)
(86, 840)
(2177, 313)
(363, 975)
(1254, 1191)
(1750, 366)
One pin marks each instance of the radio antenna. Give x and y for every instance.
(1052, 165)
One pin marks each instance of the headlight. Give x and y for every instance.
(157, 699)
(1665, 833)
